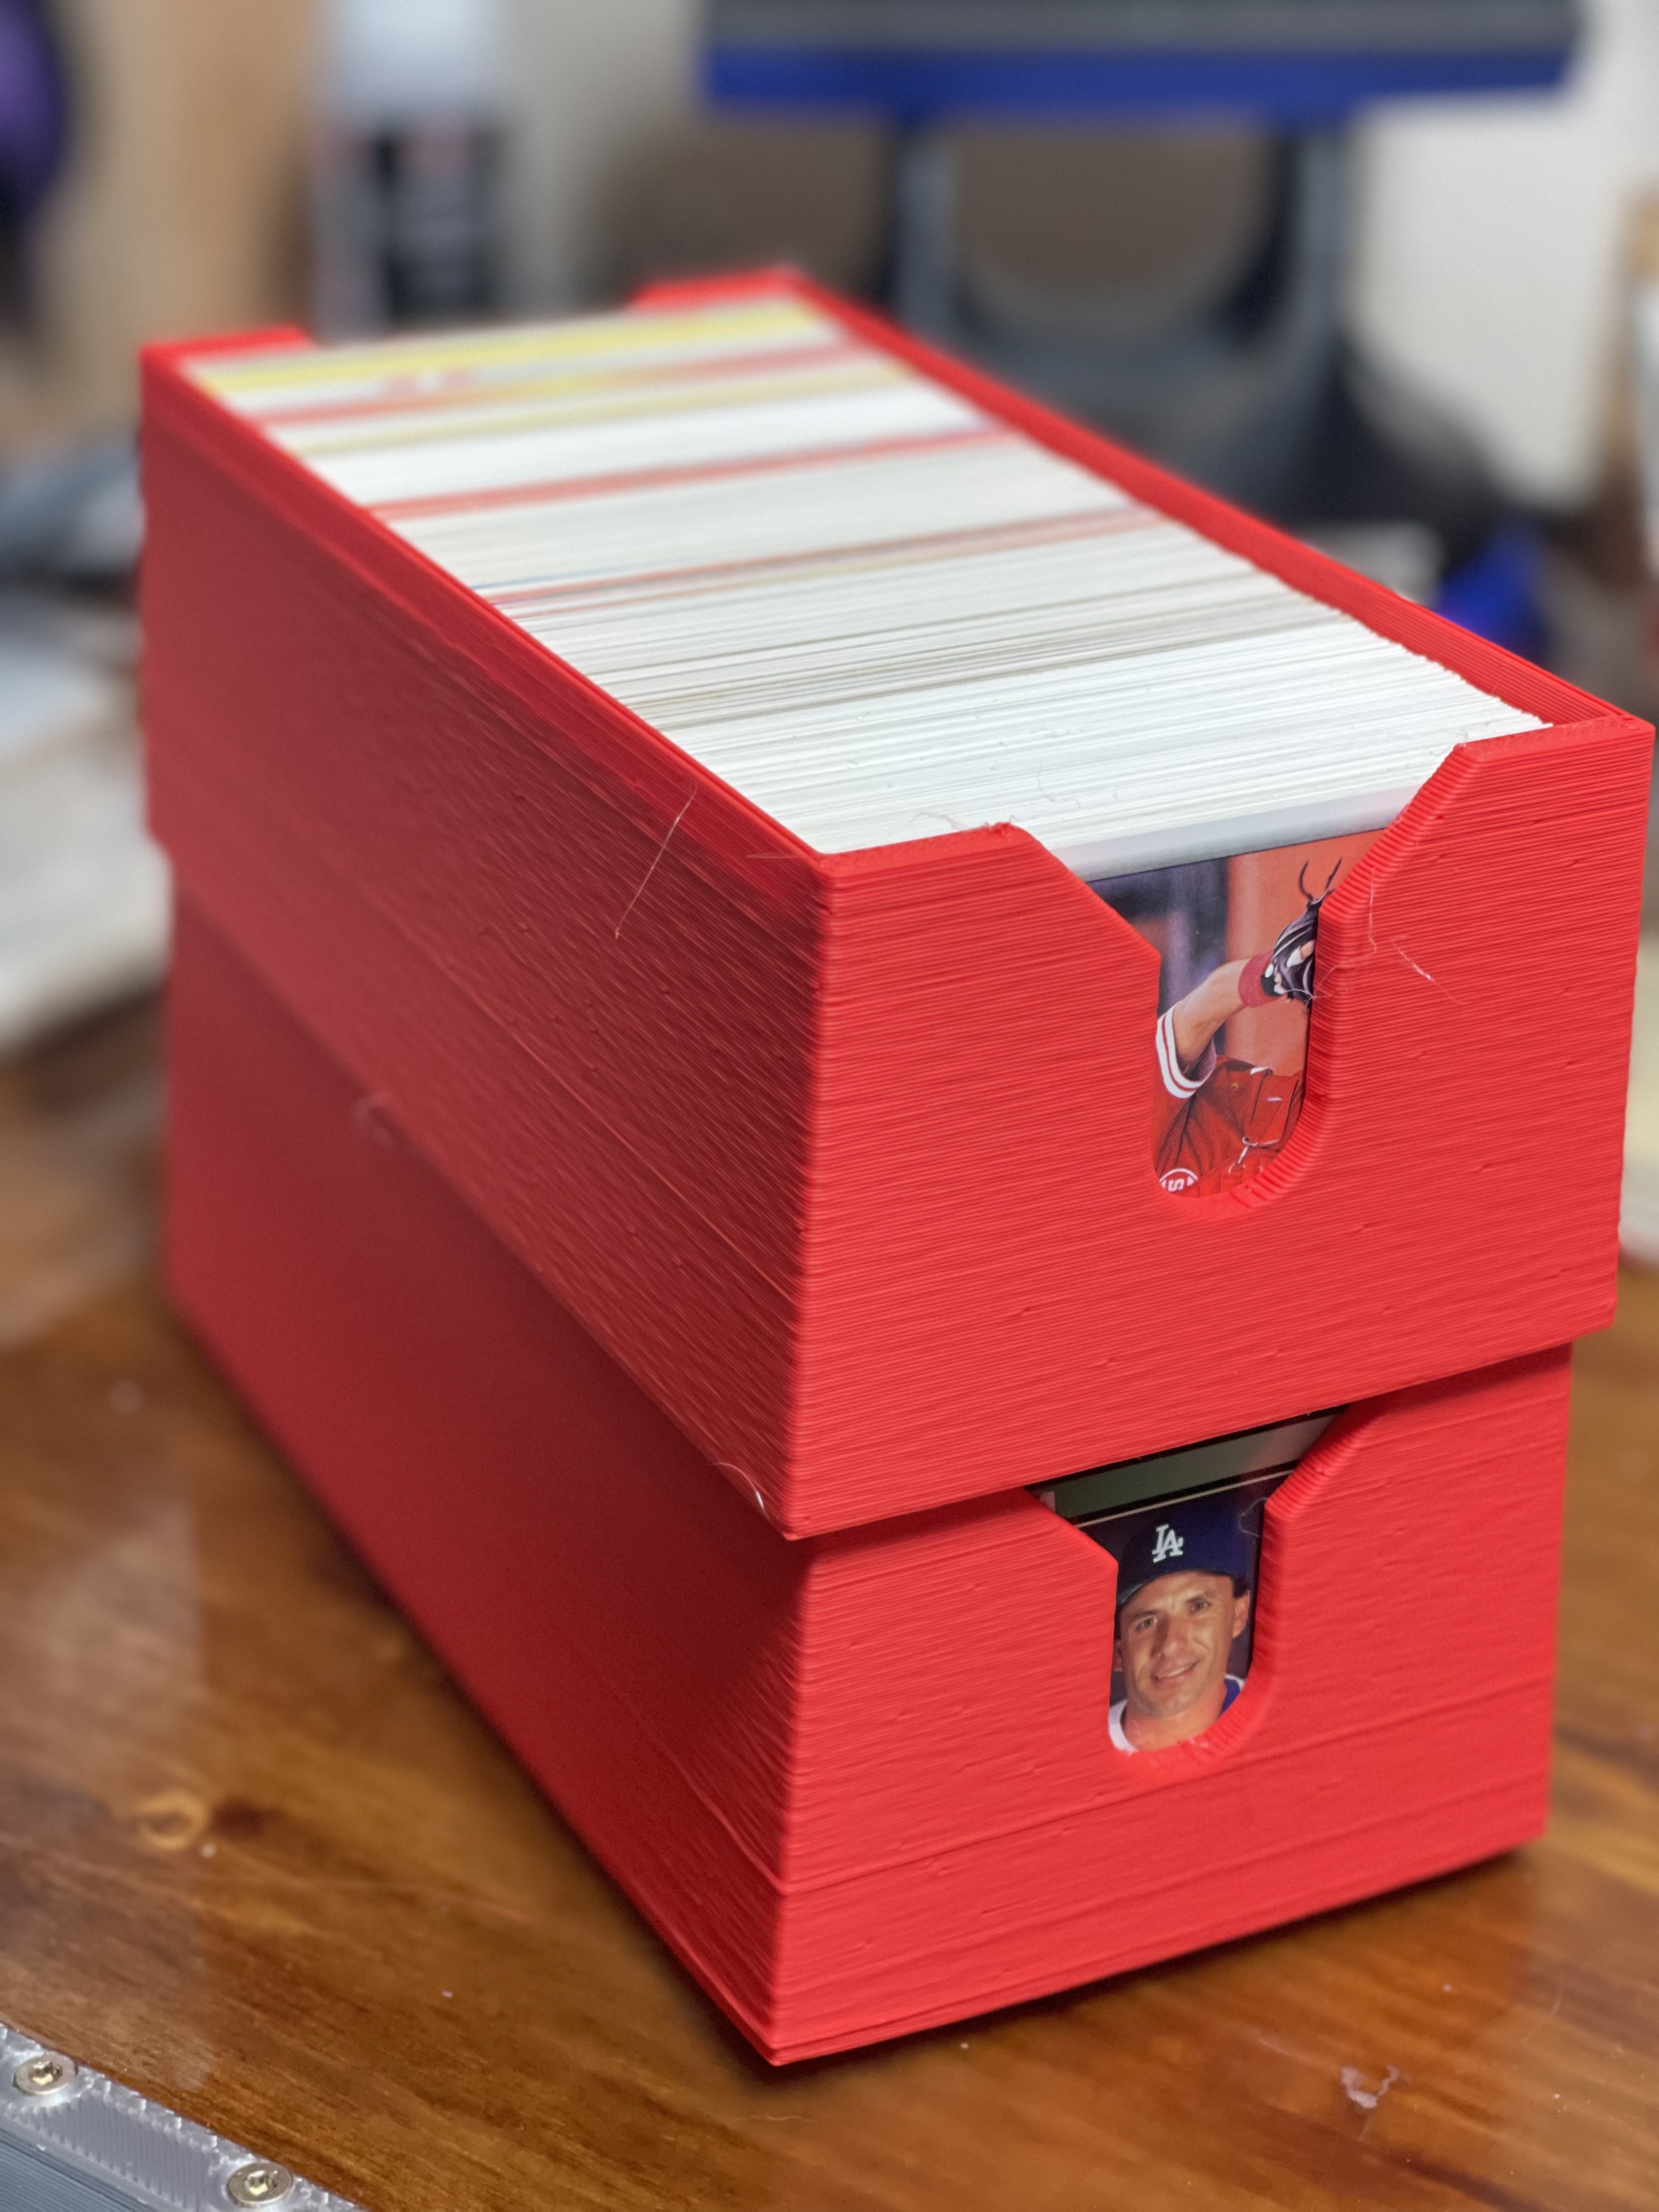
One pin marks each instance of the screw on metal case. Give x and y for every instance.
(46, 2071)
(258, 2183)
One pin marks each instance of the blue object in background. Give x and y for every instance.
(1287, 64)
(1284, 90)
(34, 109)
(1496, 594)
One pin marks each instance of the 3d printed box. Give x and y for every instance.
(841, 1157)
(672, 1252)
(860, 1782)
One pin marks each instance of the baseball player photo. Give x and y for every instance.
(1186, 1578)
(1232, 1041)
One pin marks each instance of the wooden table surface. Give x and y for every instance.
(258, 1859)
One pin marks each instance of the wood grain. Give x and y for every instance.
(250, 1837)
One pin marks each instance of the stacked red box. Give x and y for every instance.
(673, 1253)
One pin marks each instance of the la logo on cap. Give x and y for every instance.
(1166, 1544)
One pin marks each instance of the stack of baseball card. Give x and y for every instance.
(845, 1075)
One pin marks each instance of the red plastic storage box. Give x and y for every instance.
(673, 1253)
(860, 1782)
(841, 1157)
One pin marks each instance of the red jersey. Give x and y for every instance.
(1215, 1127)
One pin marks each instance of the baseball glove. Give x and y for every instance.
(1288, 970)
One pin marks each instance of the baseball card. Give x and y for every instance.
(1274, 1448)
(1237, 941)
(1186, 1575)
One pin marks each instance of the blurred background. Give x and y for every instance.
(1385, 270)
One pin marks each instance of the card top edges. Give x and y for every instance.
(877, 611)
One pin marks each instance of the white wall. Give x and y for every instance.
(1490, 251)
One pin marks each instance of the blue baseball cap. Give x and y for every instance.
(1212, 1535)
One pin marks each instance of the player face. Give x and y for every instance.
(1173, 1640)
